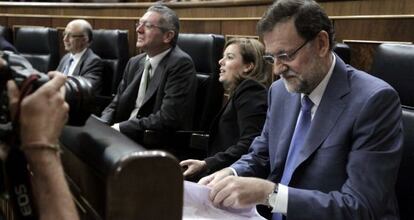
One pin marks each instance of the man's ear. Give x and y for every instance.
(322, 40)
(168, 36)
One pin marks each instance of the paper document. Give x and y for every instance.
(197, 206)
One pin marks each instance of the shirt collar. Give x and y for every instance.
(155, 60)
(317, 93)
(76, 57)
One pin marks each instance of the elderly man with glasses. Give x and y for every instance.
(80, 59)
(332, 141)
(157, 91)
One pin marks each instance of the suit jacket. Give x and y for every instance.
(5, 45)
(349, 163)
(168, 103)
(90, 66)
(237, 124)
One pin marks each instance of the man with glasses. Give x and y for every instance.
(80, 59)
(331, 144)
(158, 87)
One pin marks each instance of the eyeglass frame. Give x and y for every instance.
(284, 57)
(70, 35)
(149, 26)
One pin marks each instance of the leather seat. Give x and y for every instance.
(112, 47)
(405, 182)
(343, 51)
(394, 63)
(39, 45)
(112, 177)
(205, 50)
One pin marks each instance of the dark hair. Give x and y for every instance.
(252, 51)
(169, 20)
(309, 18)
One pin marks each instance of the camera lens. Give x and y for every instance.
(80, 97)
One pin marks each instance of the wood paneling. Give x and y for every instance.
(241, 27)
(369, 7)
(197, 26)
(359, 20)
(379, 29)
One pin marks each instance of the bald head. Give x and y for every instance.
(77, 35)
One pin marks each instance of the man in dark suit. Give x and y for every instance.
(337, 156)
(81, 60)
(158, 87)
(5, 45)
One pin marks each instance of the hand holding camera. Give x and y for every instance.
(42, 114)
(38, 107)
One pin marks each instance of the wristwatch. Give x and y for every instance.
(271, 198)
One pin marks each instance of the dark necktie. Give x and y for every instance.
(67, 67)
(296, 143)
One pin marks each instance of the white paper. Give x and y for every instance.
(197, 206)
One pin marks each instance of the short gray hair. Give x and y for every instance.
(169, 20)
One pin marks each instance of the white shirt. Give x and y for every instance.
(315, 96)
(76, 57)
(155, 60)
(281, 201)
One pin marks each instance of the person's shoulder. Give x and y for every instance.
(364, 82)
(90, 54)
(250, 84)
(177, 52)
(250, 88)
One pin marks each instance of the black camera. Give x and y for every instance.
(79, 93)
(14, 176)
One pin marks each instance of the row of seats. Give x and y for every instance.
(112, 46)
(40, 45)
(394, 63)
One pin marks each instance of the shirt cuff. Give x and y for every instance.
(116, 126)
(281, 200)
(234, 171)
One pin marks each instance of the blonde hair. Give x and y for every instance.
(252, 51)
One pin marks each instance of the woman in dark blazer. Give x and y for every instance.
(246, 78)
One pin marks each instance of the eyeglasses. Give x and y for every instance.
(148, 26)
(283, 57)
(71, 35)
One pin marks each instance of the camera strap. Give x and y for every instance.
(17, 170)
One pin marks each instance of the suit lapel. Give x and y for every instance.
(76, 71)
(63, 63)
(156, 79)
(131, 92)
(287, 121)
(328, 112)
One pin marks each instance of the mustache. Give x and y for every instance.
(287, 73)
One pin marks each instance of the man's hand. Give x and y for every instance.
(43, 113)
(212, 179)
(240, 192)
(193, 167)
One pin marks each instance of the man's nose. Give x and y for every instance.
(279, 68)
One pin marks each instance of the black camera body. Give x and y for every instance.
(79, 93)
(14, 176)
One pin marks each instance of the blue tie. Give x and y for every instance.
(67, 67)
(296, 143)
